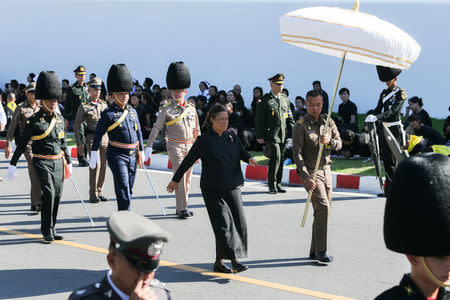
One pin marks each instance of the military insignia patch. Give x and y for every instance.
(404, 96)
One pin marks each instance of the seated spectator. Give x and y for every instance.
(257, 96)
(318, 87)
(354, 144)
(148, 82)
(221, 97)
(300, 109)
(204, 89)
(415, 105)
(238, 96)
(140, 109)
(234, 119)
(30, 77)
(446, 129)
(419, 144)
(200, 104)
(347, 112)
(157, 93)
(21, 93)
(10, 107)
(65, 84)
(426, 131)
(138, 90)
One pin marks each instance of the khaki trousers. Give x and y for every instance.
(97, 175)
(36, 192)
(321, 203)
(177, 152)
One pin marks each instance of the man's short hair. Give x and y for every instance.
(313, 93)
(93, 74)
(317, 82)
(341, 91)
(300, 98)
(414, 118)
(66, 81)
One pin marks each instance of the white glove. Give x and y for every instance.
(148, 153)
(70, 168)
(371, 118)
(11, 173)
(94, 158)
(141, 157)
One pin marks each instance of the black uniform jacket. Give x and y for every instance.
(103, 290)
(407, 289)
(52, 144)
(221, 156)
(392, 107)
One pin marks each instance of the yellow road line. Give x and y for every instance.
(204, 272)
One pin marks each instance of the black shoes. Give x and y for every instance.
(323, 257)
(221, 268)
(280, 189)
(190, 212)
(381, 195)
(272, 190)
(103, 198)
(48, 238)
(94, 199)
(312, 255)
(238, 267)
(58, 237)
(35, 208)
(184, 214)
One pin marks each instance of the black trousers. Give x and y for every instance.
(50, 174)
(389, 160)
(227, 217)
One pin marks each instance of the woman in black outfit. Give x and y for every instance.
(220, 182)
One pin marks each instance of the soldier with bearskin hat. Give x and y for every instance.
(417, 223)
(181, 120)
(49, 150)
(388, 110)
(125, 145)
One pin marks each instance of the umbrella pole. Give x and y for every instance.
(338, 79)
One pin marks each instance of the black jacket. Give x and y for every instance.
(221, 156)
(407, 289)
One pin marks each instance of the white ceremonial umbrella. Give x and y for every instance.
(348, 34)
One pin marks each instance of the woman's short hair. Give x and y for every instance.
(416, 99)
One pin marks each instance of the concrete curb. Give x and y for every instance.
(365, 184)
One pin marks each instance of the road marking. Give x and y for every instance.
(201, 271)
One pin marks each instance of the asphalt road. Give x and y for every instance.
(278, 246)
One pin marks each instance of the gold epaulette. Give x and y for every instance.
(167, 104)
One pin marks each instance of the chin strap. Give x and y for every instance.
(431, 275)
(121, 103)
(47, 108)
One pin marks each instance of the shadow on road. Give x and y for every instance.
(22, 283)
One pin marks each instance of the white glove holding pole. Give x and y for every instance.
(70, 168)
(94, 159)
(11, 173)
(371, 119)
(141, 157)
(148, 153)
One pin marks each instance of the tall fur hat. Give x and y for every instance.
(385, 73)
(417, 212)
(178, 76)
(48, 86)
(119, 79)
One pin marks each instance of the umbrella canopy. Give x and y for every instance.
(363, 37)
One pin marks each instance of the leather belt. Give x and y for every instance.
(181, 141)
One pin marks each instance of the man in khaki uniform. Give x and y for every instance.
(19, 119)
(89, 113)
(308, 132)
(181, 120)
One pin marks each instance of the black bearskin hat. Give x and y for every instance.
(385, 73)
(178, 76)
(48, 86)
(119, 79)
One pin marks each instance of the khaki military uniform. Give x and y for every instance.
(23, 112)
(181, 134)
(89, 113)
(305, 148)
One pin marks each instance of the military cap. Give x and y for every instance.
(178, 76)
(95, 83)
(80, 70)
(417, 212)
(119, 79)
(278, 78)
(48, 86)
(31, 88)
(386, 74)
(137, 238)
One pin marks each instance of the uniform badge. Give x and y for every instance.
(273, 112)
(80, 292)
(404, 96)
(300, 121)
